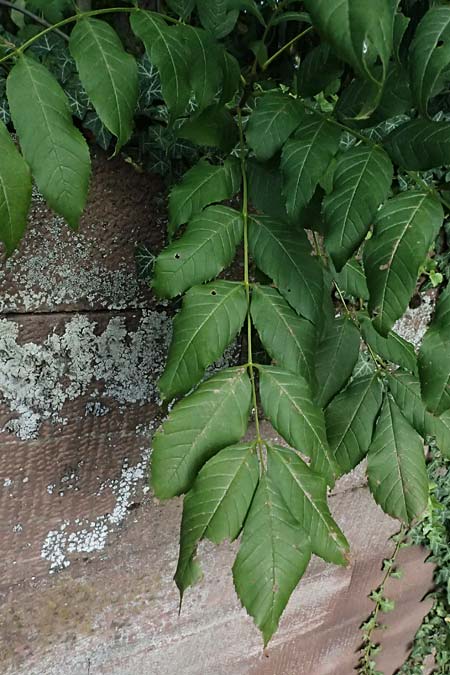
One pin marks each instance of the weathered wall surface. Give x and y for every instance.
(87, 554)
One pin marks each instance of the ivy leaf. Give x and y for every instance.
(216, 17)
(287, 401)
(204, 250)
(272, 558)
(202, 185)
(166, 50)
(182, 7)
(420, 145)
(404, 230)
(360, 34)
(55, 150)
(213, 127)
(213, 417)
(392, 348)
(429, 56)
(336, 357)
(361, 182)
(210, 319)
(318, 70)
(350, 420)
(352, 279)
(434, 359)
(284, 254)
(305, 494)
(216, 506)
(274, 119)
(304, 160)
(289, 339)
(396, 466)
(112, 85)
(15, 192)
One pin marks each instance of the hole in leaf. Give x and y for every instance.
(177, 256)
(440, 43)
(213, 292)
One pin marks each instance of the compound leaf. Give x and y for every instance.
(361, 182)
(15, 192)
(274, 119)
(305, 494)
(336, 357)
(55, 150)
(112, 85)
(216, 506)
(204, 250)
(210, 319)
(287, 401)
(396, 466)
(213, 417)
(404, 229)
(272, 558)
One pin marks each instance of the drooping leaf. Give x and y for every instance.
(213, 417)
(392, 348)
(361, 182)
(274, 119)
(305, 494)
(287, 401)
(401, 23)
(166, 50)
(15, 192)
(396, 466)
(336, 357)
(55, 150)
(204, 184)
(352, 279)
(350, 420)
(216, 506)
(272, 558)
(213, 127)
(216, 16)
(284, 254)
(305, 159)
(404, 230)
(434, 359)
(210, 319)
(405, 389)
(318, 70)
(429, 56)
(204, 65)
(289, 339)
(112, 85)
(265, 186)
(204, 250)
(420, 145)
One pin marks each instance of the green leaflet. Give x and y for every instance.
(441, 432)
(204, 250)
(216, 506)
(396, 466)
(404, 229)
(420, 145)
(211, 317)
(272, 558)
(214, 416)
(216, 17)
(405, 389)
(305, 159)
(213, 127)
(361, 182)
(15, 192)
(289, 339)
(112, 85)
(166, 50)
(393, 347)
(271, 123)
(287, 401)
(284, 254)
(360, 34)
(182, 7)
(55, 150)
(429, 56)
(265, 186)
(231, 76)
(291, 16)
(203, 184)
(336, 357)
(204, 65)
(305, 494)
(434, 359)
(352, 280)
(318, 70)
(350, 420)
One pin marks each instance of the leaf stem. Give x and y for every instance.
(284, 47)
(247, 285)
(75, 17)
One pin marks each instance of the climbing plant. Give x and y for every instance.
(323, 139)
